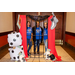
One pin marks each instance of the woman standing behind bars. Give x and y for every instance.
(29, 37)
(45, 36)
(37, 36)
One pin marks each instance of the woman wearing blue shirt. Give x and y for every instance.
(29, 37)
(45, 36)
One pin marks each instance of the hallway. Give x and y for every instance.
(64, 33)
(61, 52)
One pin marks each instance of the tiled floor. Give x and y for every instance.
(70, 50)
(61, 52)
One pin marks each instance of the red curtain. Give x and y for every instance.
(23, 33)
(51, 39)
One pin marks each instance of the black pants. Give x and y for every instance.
(36, 43)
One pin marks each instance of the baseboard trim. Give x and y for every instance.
(70, 46)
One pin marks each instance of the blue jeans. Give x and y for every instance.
(46, 45)
(36, 43)
(30, 44)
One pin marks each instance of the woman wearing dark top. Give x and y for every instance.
(37, 36)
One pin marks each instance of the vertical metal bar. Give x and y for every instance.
(39, 43)
(31, 35)
(34, 35)
(43, 39)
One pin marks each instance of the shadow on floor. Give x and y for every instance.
(4, 51)
(70, 50)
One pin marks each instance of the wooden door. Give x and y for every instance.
(58, 29)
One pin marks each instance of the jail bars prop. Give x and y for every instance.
(39, 46)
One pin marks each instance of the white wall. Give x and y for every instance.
(70, 22)
(6, 21)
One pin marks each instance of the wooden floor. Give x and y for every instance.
(64, 51)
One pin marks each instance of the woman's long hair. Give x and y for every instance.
(47, 25)
(36, 24)
(29, 25)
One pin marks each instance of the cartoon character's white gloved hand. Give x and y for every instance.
(54, 21)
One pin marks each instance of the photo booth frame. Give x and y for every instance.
(51, 35)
